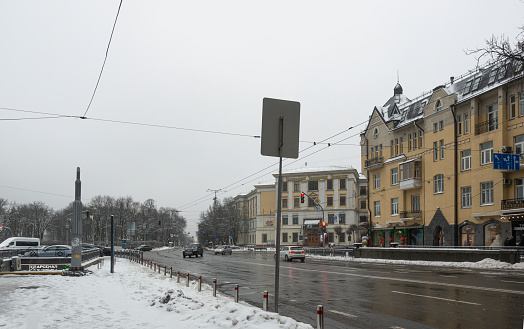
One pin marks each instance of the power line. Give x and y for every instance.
(105, 59)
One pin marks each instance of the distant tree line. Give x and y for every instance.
(133, 221)
(221, 223)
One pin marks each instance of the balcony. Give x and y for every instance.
(413, 214)
(377, 161)
(410, 184)
(486, 126)
(511, 204)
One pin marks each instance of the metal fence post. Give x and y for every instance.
(165, 270)
(177, 277)
(214, 287)
(170, 272)
(187, 280)
(265, 301)
(236, 293)
(200, 283)
(320, 317)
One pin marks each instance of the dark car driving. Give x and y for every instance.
(193, 249)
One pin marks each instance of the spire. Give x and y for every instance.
(397, 91)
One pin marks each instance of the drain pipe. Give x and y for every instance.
(455, 169)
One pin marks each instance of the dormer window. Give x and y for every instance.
(517, 65)
(375, 133)
(475, 84)
(467, 87)
(492, 76)
(502, 72)
(438, 107)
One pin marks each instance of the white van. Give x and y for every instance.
(20, 243)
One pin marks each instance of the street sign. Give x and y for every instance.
(505, 161)
(275, 112)
(317, 200)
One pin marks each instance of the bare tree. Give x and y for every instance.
(501, 48)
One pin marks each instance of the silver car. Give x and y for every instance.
(223, 250)
(50, 251)
(288, 253)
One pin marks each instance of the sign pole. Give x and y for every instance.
(76, 241)
(279, 210)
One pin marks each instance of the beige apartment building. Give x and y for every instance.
(430, 162)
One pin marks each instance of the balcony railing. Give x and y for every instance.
(510, 204)
(486, 126)
(411, 214)
(374, 161)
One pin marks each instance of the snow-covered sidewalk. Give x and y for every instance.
(132, 297)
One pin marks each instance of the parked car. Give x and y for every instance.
(89, 247)
(288, 253)
(193, 249)
(106, 251)
(50, 251)
(223, 250)
(19, 244)
(144, 247)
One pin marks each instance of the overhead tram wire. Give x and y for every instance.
(104, 63)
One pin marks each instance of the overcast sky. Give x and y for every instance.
(204, 67)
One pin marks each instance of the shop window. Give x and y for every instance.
(492, 234)
(467, 235)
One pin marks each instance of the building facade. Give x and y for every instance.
(430, 162)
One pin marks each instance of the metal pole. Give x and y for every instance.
(320, 317)
(170, 272)
(187, 280)
(236, 293)
(214, 287)
(279, 210)
(177, 277)
(200, 283)
(265, 301)
(76, 229)
(112, 246)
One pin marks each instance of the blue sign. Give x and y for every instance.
(503, 161)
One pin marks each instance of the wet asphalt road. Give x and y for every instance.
(365, 295)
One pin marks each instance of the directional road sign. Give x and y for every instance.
(505, 161)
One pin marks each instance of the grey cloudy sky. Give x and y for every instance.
(207, 65)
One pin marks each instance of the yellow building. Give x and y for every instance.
(430, 162)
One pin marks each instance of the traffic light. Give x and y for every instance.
(324, 225)
(302, 198)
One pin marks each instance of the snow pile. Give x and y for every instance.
(132, 297)
(486, 263)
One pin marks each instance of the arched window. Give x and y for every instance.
(492, 233)
(467, 235)
(439, 183)
(375, 133)
(438, 107)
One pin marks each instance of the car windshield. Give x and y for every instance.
(296, 248)
(193, 246)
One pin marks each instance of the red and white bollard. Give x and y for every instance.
(187, 280)
(320, 317)
(177, 277)
(214, 287)
(170, 272)
(265, 302)
(165, 270)
(200, 283)
(236, 293)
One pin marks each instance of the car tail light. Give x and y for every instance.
(302, 251)
(292, 252)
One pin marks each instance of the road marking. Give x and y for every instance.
(395, 327)
(512, 281)
(447, 276)
(439, 298)
(344, 314)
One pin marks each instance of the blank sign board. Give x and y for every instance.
(275, 111)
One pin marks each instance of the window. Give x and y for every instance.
(396, 146)
(466, 123)
(342, 184)
(284, 186)
(329, 184)
(342, 200)
(435, 127)
(377, 181)
(284, 220)
(512, 107)
(394, 206)
(311, 202)
(459, 124)
(284, 237)
(442, 149)
(519, 188)
(415, 203)
(375, 133)
(467, 87)
(401, 145)
(435, 151)
(420, 138)
(439, 183)
(394, 176)
(330, 201)
(517, 65)
(493, 117)
(331, 219)
(295, 219)
(312, 185)
(409, 170)
(486, 193)
(519, 146)
(467, 235)
(342, 237)
(438, 107)
(466, 197)
(296, 186)
(492, 76)
(521, 105)
(295, 237)
(284, 203)
(475, 83)
(502, 72)
(409, 143)
(391, 148)
(296, 203)
(363, 191)
(486, 153)
(441, 125)
(377, 208)
(465, 157)
(264, 238)
(363, 204)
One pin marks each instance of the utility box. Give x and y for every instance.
(16, 263)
